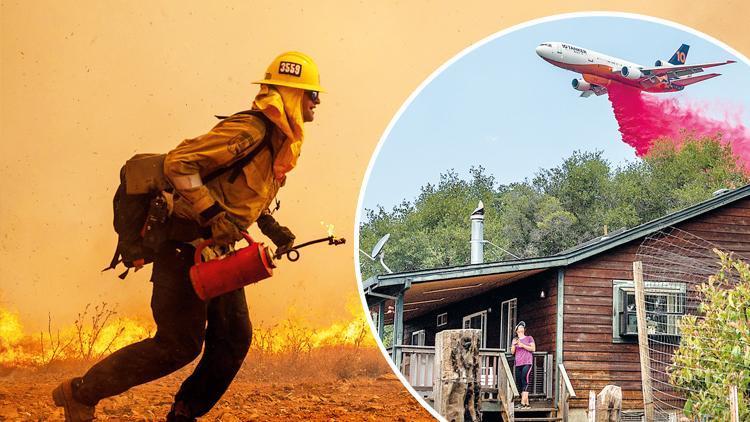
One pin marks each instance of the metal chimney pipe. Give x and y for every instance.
(477, 234)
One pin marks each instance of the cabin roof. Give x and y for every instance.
(463, 281)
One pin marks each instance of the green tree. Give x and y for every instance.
(559, 208)
(434, 230)
(678, 177)
(553, 227)
(582, 186)
(714, 351)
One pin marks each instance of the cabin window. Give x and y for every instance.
(628, 319)
(477, 321)
(508, 320)
(665, 306)
(442, 319)
(418, 338)
(375, 319)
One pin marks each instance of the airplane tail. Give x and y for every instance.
(680, 56)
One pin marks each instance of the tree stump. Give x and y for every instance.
(609, 404)
(456, 380)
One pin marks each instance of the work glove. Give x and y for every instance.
(281, 236)
(225, 229)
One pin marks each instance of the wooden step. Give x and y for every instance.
(534, 409)
(535, 414)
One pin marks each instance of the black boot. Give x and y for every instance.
(180, 412)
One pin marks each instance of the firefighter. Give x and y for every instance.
(224, 206)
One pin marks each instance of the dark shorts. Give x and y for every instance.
(523, 373)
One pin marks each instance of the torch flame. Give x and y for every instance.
(329, 228)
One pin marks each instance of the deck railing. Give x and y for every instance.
(565, 392)
(417, 365)
(508, 391)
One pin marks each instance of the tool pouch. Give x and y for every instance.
(144, 173)
(155, 230)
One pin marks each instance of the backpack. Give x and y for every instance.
(140, 207)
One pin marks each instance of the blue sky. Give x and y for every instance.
(502, 107)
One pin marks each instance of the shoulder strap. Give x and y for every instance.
(236, 167)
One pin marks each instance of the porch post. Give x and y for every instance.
(559, 328)
(456, 381)
(381, 319)
(398, 328)
(640, 310)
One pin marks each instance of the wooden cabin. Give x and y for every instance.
(575, 305)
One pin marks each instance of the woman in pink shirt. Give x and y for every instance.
(523, 346)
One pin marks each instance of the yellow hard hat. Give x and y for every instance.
(295, 70)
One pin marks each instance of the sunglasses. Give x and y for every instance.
(314, 95)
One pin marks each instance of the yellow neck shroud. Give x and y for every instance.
(283, 106)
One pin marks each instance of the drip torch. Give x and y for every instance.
(241, 267)
(293, 254)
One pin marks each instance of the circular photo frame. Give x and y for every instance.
(522, 181)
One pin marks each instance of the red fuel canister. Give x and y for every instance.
(235, 270)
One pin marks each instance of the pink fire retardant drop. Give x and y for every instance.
(643, 118)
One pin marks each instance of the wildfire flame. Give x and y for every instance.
(354, 331)
(81, 341)
(11, 331)
(18, 348)
(295, 332)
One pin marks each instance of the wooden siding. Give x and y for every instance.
(539, 314)
(590, 357)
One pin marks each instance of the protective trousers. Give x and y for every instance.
(183, 322)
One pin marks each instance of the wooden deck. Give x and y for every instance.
(417, 365)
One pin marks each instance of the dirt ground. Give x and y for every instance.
(25, 396)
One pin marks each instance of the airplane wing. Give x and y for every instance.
(595, 89)
(598, 90)
(681, 70)
(694, 79)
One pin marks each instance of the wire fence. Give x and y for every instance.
(675, 264)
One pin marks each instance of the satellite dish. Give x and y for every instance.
(378, 248)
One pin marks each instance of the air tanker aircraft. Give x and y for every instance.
(599, 70)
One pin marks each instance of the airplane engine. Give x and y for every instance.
(581, 85)
(631, 73)
(660, 63)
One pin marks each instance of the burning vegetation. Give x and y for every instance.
(342, 350)
(98, 331)
(292, 371)
(95, 333)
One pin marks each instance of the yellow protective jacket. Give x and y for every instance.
(230, 140)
